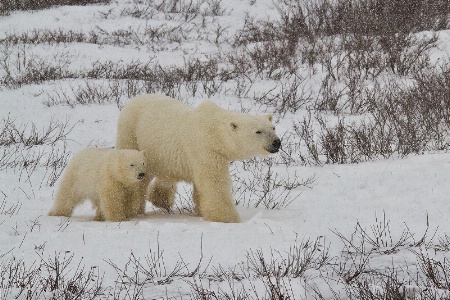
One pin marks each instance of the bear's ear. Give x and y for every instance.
(269, 116)
(233, 125)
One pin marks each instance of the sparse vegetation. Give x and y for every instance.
(305, 266)
(8, 6)
(360, 76)
(53, 276)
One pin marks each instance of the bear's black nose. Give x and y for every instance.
(276, 143)
(141, 175)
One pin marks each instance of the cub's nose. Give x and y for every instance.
(276, 143)
(141, 175)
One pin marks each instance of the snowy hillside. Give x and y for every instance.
(355, 206)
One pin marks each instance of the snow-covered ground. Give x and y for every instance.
(388, 200)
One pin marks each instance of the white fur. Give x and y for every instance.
(181, 143)
(109, 178)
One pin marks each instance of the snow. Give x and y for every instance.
(412, 192)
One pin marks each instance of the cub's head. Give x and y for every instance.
(239, 136)
(130, 166)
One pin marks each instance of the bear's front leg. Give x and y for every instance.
(196, 199)
(112, 204)
(215, 200)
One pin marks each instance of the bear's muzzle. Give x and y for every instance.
(275, 147)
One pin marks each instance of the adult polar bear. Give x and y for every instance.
(194, 145)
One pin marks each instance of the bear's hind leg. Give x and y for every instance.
(162, 193)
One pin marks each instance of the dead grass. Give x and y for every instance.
(8, 6)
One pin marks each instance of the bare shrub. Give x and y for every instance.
(437, 272)
(306, 133)
(37, 36)
(151, 36)
(21, 68)
(363, 280)
(380, 17)
(10, 210)
(87, 94)
(294, 263)
(402, 119)
(52, 277)
(28, 135)
(7, 6)
(263, 186)
(125, 81)
(24, 148)
(25, 161)
(291, 96)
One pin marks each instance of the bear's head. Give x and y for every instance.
(129, 166)
(239, 135)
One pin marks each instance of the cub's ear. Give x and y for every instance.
(233, 125)
(269, 116)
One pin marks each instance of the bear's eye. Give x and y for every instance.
(273, 128)
(258, 132)
(142, 163)
(131, 165)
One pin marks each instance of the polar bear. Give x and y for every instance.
(110, 178)
(193, 145)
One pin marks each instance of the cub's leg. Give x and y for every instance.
(112, 204)
(66, 199)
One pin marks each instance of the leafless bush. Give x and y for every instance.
(352, 60)
(437, 272)
(150, 36)
(28, 135)
(183, 202)
(292, 95)
(379, 239)
(87, 94)
(379, 17)
(444, 243)
(21, 68)
(389, 287)
(401, 120)
(305, 132)
(125, 81)
(10, 210)
(24, 148)
(53, 277)
(265, 186)
(37, 36)
(8, 6)
(418, 115)
(363, 280)
(25, 161)
(54, 165)
(294, 263)
(150, 271)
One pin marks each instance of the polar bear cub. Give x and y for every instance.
(193, 145)
(110, 178)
